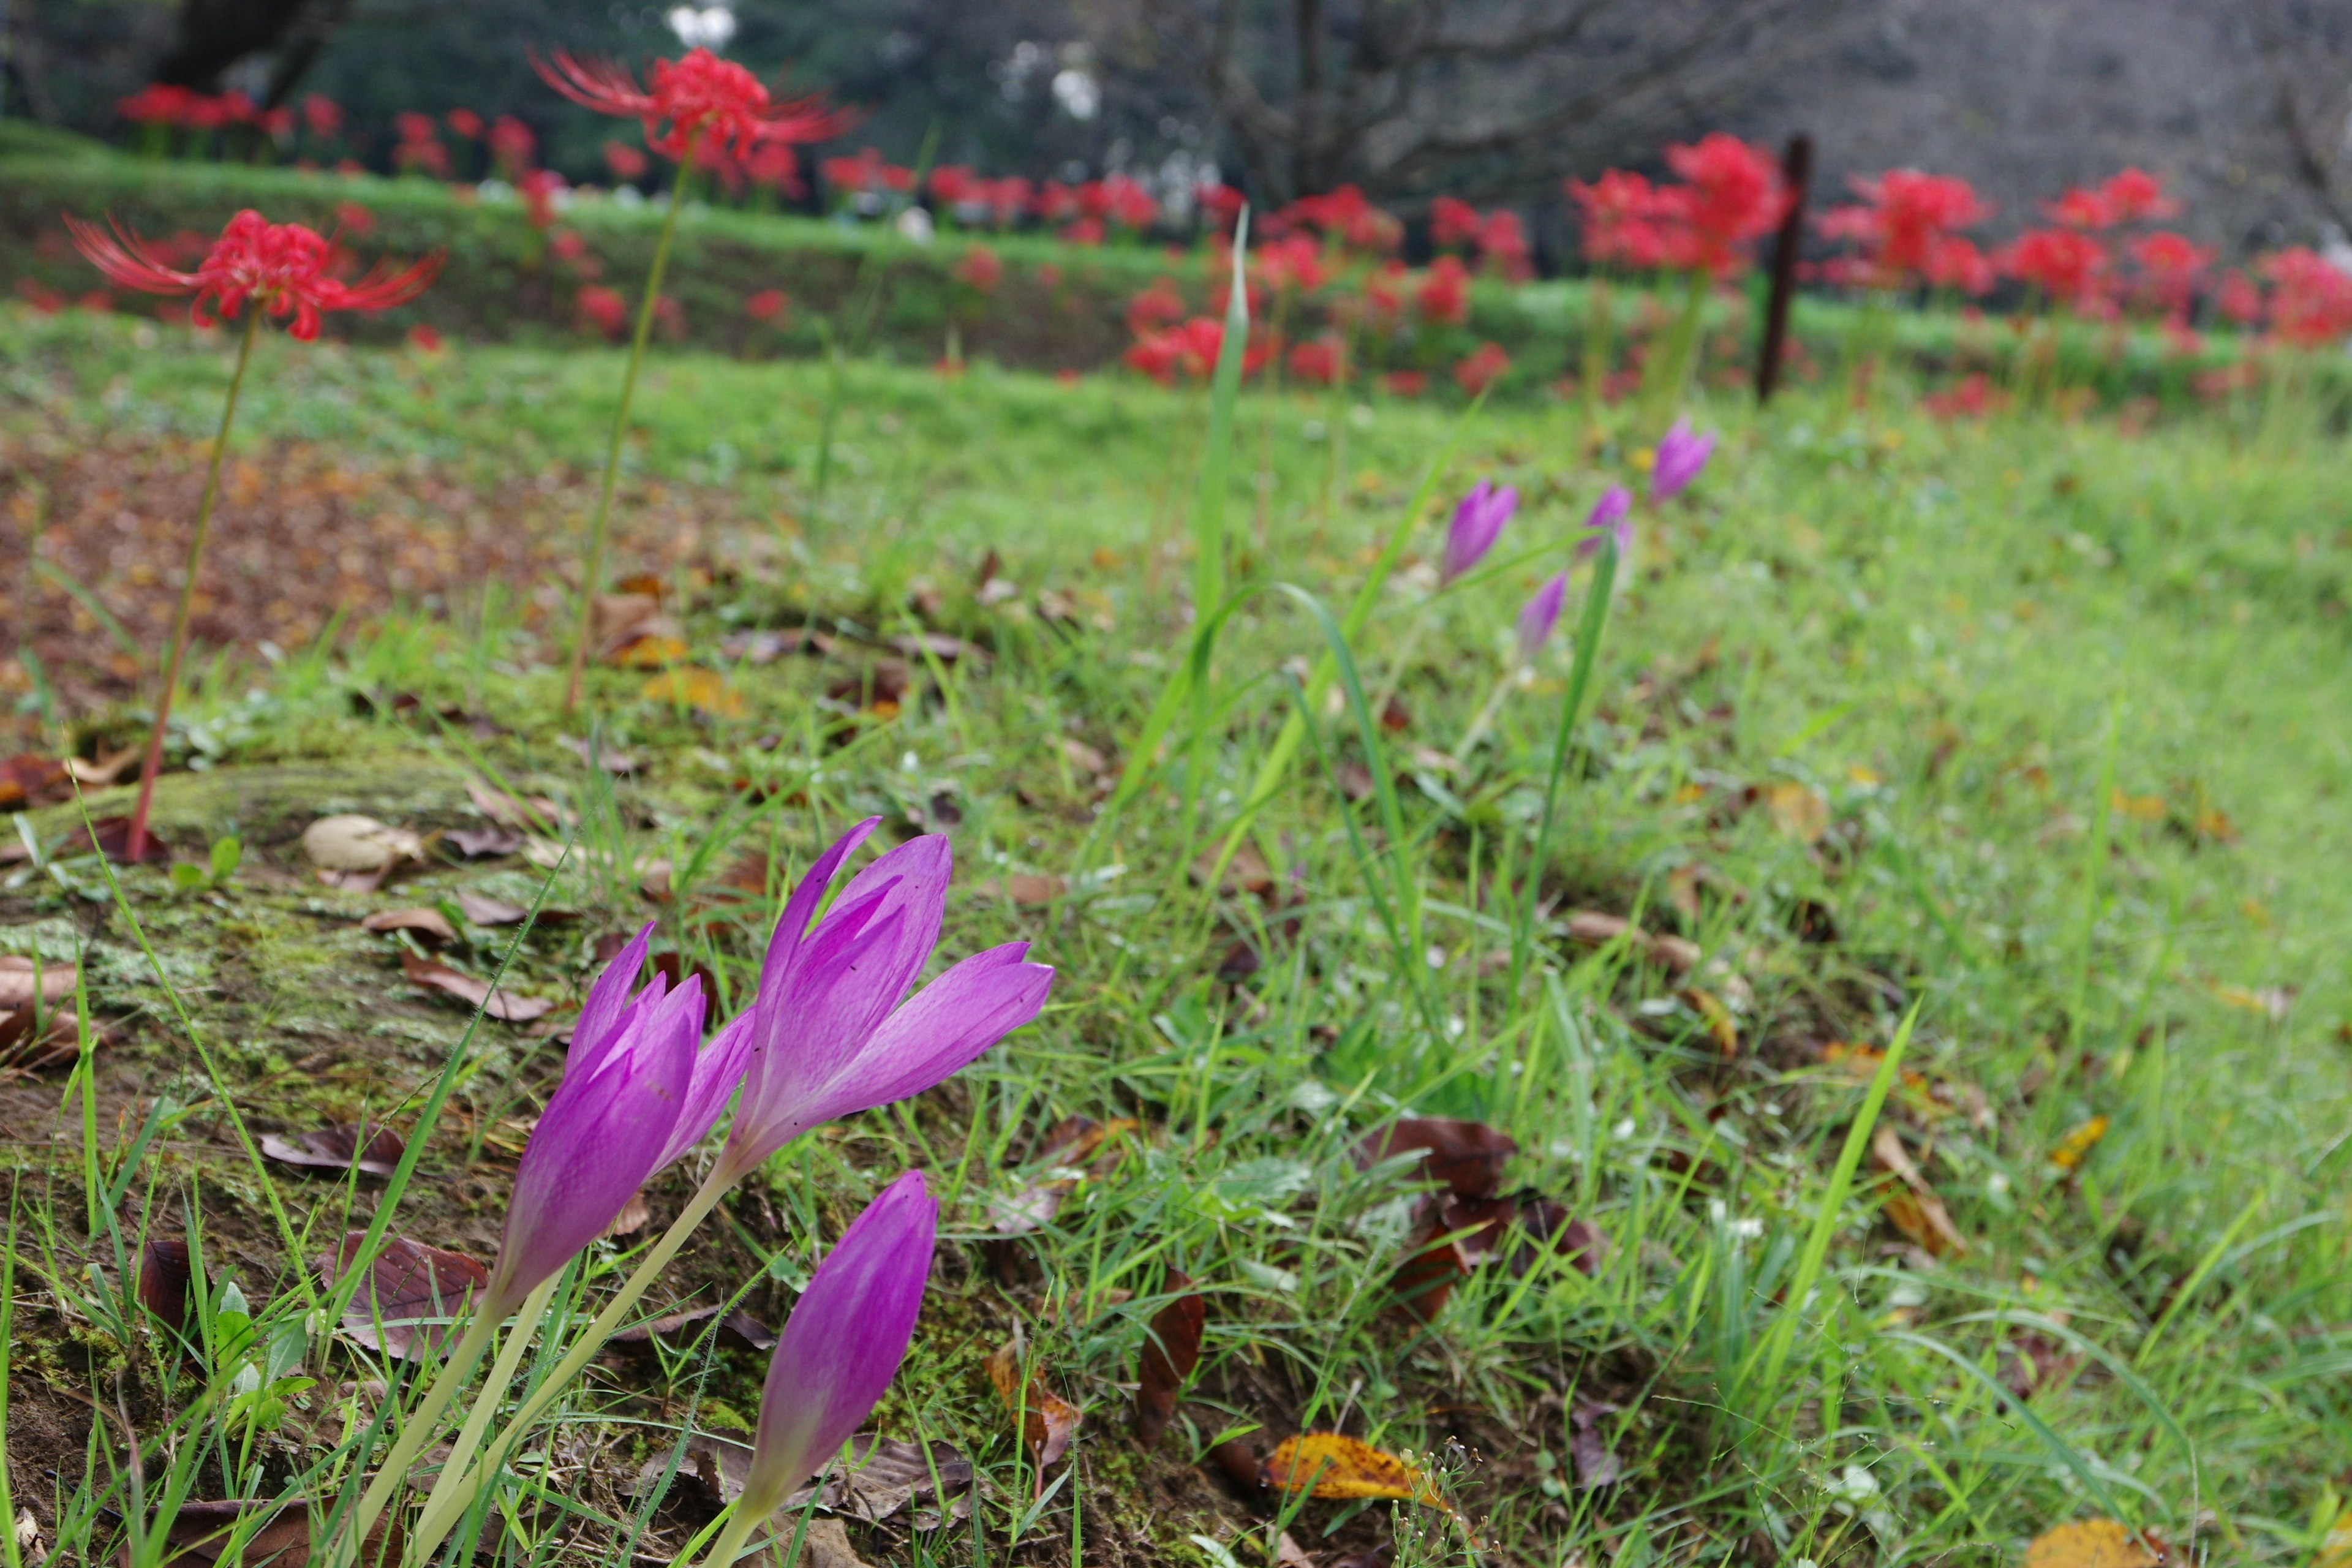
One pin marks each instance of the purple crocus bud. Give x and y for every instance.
(828, 1037)
(842, 1343)
(1539, 616)
(610, 1125)
(1478, 522)
(1681, 456)
(1611, 518)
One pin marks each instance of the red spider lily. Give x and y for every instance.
(1007, 199)
(767, 305)
(420, 146)
(352, 218)
(1731, 195)
(699, 97)
(2066, 264)
(1404, 384)
(160, 103)
(2172, 264)
(1190, 350)
(280, 268)
(1956, 262)
(424, 339)
(1128, 204)
(465, 123)
(1973, 398)
(2311, 300)
(538, 189)
(1224, 205)
(323, 114)
(1620, 220)
(1315, 362)
(1453, 224)
(603, 309)
(625, 162)
(1294, 264)
(952, 184)
(981, 268)
(1503, 245)
(1085, 231)
(1444, 296)
(776, 167)
(2240, 297)
(2081, 208)
(1384, 291)
(1346, 214)
(512, 144)
(1482, 368)
(1053, 202)
(2135, 195)
(1155, 308)
(1906, 220)
(868, 172)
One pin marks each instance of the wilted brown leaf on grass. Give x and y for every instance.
(703, 690)
(1720, 1024)
(376, 1152)
(1170, 1351)
(1800, 811)
(633, 1217)
(1597, 1464)
(1073, 1140)
(425, 922)
(110, 836)
(22, 979)
(484, 911)
(2089, 1543)
(1333, 1465)
(533, 813)
(165, 1275)
(1913, 1208)
(1425, 1281)
(1246, 872)
(738, 1325)
(1027, 889)
(478, 843)
(1468, 1157)
(2031, 1362)
(28, 780)
(501, 1005)
(200, 1532)
(60, 1041)
(1593, 929)
(599, 753)
(1048, 1421)
(412, 1289)
(2077, 1146)
(650, 651)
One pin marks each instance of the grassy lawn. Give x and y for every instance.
(2019, 741)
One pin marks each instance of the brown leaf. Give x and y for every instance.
(738, 1325)
(484, 911)
(1356, 781)
(2089, 1543)
(1467, 1157)
(478, 843)
(939, 646)
(880, 688)
(339, 1149)
(21, 979)
(1083, 757)
(633, 1217)
(1048, 1421)
(1579, 1240)
(28, 779)
(705, 691)
(199, 1534)
(113, 840)
(1246, 872)
(1288, 1553)
(534, 814)
(1028, 889)
(767, 647)
(1720, 1024)
(1170, 1351)
(165, 1275)
(1597, 1464)
(1593, 929)
(1395, 717)
(1237, 1461)
(1425, 1281)
(20, 1051)
(882, 1477)
(2032, 1362)
(501, 1005)
(426, 922)
(1917, 1213)
(1800, 811)
(411, 1289)
(1333, 1465)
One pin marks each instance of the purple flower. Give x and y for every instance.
(1611, 518)
(842, 1343)
(1539, 616)
(1478, 522)
(635, 1094)
(1682, 457)
(828, 1036)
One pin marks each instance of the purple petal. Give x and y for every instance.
(1610, 518)
(602, 1135)
(1681, 456)
(608, 1003)
(717, 1072)
(1478, 522)
(843, 1341)
(1539, 616)
(947, 1025)
(792, 927)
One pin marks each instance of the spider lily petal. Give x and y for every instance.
(843, 1341)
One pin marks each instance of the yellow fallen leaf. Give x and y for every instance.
(2077, 1146)
(1331, 1465)
(1719, 1021)
(2089, 1543)
(705, 691)
(1798, 811)
(650, 653)
(2139, 807)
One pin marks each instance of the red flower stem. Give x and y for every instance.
(136, 849)
(601, 525)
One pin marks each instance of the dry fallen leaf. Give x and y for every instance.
(1593, 929)
(633, 1217)
(475, 843)
(1468, 1157)
(378, 1153)
(1720, 1024)
(165, 1275)
(1333, 1465)
(1048, 1421)
(199, 1535)
(411, 1290)
(1170, 1351)
(2088, 1543)
(426, 922)
(29, 780)
(651, 651)
(484, 911)
(1028, 889)
(22, 978)
(738, 1325)
(1800, 811)
(1915, 1209)
(502, 1005)
(703, 690)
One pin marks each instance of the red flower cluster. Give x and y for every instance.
(421, 150)
(1444, 296)
(868, 171)
(1907, 227)
(283, 268)
(1731, 195)
(981, 268)
(1345, 214)
(1189, 349)
(185, 108)
(1292, 265)
(1499, 238)
(1317, 361)
(2133, 195)
(2311, 298)
(698, 98)
(1482, 368)
(2065, 264)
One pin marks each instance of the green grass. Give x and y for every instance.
(1964, 643)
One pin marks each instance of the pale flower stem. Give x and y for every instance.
(462, 1492)
(486, 1405)
(391, 1473)
(1398, 665)
(729, 1546)
(1486, 718)
(600, 524)
(136, 849)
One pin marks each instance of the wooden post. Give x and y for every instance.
(1796, 171)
